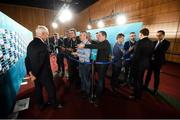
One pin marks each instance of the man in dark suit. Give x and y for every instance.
(140, 61)
(158, 59)
(58, 44)
(38, 68)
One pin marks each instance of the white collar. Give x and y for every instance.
(162, 40)
(41, 39)
(85, 41)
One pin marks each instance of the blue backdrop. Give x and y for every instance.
(114, 30)
(11, 79)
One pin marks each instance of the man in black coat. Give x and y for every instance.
(103, 55)
(38, 68)
(58, 44)
(73, 65)
(158, 59)
(140, 61)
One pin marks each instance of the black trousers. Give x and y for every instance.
(73, 71)
(128, 73)
(116, 70)
(101, 71)
(60, 62)
(156, 69)
(49, 87)
(138, 74)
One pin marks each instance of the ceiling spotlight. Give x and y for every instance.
(100, 24)
(54, 25)
(65, 15)
(89, 26)
(121, 19)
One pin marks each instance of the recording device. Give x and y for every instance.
(93, 54)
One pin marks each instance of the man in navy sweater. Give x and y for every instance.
(118, 53)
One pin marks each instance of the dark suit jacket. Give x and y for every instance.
(127, 45)
(37, 60)
(72, 44)
(160, 51)
(142, 54)
(50, 44)
(66, 42)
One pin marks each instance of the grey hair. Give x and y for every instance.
(41, 29)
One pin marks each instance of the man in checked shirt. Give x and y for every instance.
(84, 69)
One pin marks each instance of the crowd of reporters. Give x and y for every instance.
(132, 57)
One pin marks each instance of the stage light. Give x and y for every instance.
(54, 25)
(65, 15)
(100, 24)
(89, 26)
(121, 19)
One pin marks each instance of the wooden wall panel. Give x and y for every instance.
(155, 14)
(30, 17)
(177, 48)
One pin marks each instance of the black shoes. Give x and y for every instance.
(135, 98)
(42, 107)
(56, 106)
(131, 97)
(155, 93)
(123, 84)
(96, 103)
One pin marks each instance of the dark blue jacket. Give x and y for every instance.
(118, 54)
(127, 45)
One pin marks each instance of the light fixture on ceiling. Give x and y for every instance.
(121, 19)
(65, 15)
(100, 24)
(89, 26)
(54, 25)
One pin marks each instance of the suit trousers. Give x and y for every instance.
(156, 69)
(116, 70)
(49, 87)
(60, 62)
(138, 74)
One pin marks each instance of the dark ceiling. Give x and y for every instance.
(76, 5)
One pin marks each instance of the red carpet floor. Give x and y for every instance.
(111, 106)
(169, 80)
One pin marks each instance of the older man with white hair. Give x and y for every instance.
(38, 68)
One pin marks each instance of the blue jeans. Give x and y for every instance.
(84, 73)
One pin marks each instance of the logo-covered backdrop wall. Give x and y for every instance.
(14, 39)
